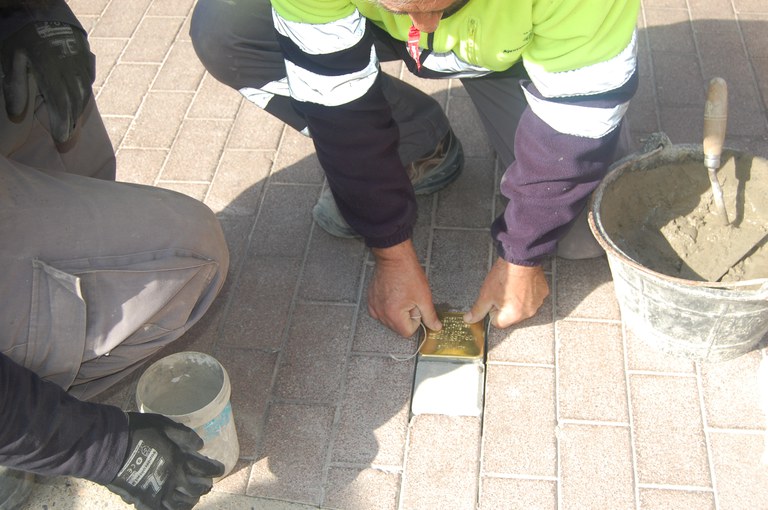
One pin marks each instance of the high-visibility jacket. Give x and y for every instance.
(580, 56)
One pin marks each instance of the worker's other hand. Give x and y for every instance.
(510, 294)
(162, 468)
(399, 295)
(59, 57)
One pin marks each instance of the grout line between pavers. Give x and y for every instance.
(685, 375)
(508, 476)
(735, 432)
(651, 67)
(556, 359)
(681, 488)
(631, 417)
(707, 438)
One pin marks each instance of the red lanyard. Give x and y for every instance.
(413, 45)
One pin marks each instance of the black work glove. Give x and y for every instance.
(59, 57)
(162, 469)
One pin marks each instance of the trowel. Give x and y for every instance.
(715, 121)
(737, 241)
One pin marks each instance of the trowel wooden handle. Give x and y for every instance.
(715, 121)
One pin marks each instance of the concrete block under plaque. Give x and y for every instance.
(448, 388)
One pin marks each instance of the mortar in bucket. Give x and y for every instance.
(193, 389)
(653, 215)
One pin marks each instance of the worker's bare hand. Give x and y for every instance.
(399, 295)
(510, 294)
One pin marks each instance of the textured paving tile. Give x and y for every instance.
(442, 463)
(214, 100)
(152, 39)
(239, 182)
(125, 89)
(259, 311)
(119, 19)
(519, 421)
(284, 222)
(297, 161)
(731, 393)
(671, 447)
(140, 166)
(370, 489)
(196, 151)
(159, 121)
(643, 355)
(312, 366)
(514, 494)
(467, 126)
(591, 372)
(333, 268)
(255, 129)
(459, 265)
(585, 290)
(467, 202)
(181, 70)
(742, 480)
(250, 374)
(531, 341)
(374, 414)
(596, 467)
(290, 462)
(660, 499)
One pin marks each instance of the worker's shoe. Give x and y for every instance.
(15, 488)
(428, 174)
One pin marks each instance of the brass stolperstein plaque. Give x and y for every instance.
(457, 340)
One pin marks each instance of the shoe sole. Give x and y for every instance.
(439, 179)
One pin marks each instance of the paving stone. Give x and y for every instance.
(671, 447)
(741, 477)
(442, 462)
(373, 422)
(661, 499)
(596, 467)
(152, 40)
(239, 182)
(530, 341)
(196, 152)
(124, 90)
(517, 493)
(312, 365)
(333, 268)
(250, 374)
(181, 70)
(642, 355)
(731, 393)
(260, 306)
(371, 489)
(467, 202)
(585, 290)
(159, 120)
(290, 462)
(591, 352)
(459, 266)
(297, 161)
(519, 423)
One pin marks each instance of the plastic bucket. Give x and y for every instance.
(193, 389)
(699, 320)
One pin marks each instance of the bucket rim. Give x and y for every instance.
(219, 397)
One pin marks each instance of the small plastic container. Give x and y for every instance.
(193, 389)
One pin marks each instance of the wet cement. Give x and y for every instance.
(665, 218)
